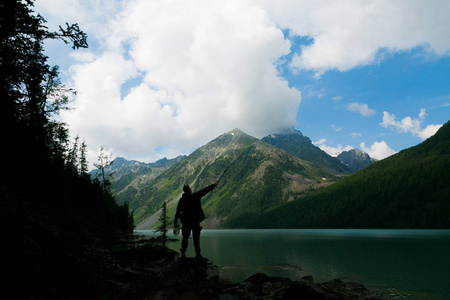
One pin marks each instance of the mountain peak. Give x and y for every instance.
(355, 159)
(119, 160)
(358, 152)
(293, 142)
(236, 131)
(261, 177)
(288, 131)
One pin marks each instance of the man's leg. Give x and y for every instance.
(186, 233)
(196, 234)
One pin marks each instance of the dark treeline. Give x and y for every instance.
(47, 198)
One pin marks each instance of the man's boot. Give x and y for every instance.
(199, 257)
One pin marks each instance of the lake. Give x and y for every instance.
(405, 264)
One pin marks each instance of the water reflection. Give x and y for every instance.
(409, 262)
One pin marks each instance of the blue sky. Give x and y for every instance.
(402, 84)
(161, 78)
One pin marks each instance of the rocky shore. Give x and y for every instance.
(146, 272)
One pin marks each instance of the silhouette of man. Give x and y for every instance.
(190, 213)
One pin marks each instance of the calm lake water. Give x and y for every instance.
(405, 264)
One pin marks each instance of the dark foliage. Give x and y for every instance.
(163, 226)
(47, 200)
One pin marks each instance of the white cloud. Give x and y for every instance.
(83, 56)
(429, 131)
(361, 108)
(356, 134)
(91, 15)
(319, 142)
(194, 69)
(332, 151)
(410, 125)
(337, 129)
(347, 34)
(205, 68)
(378, 150)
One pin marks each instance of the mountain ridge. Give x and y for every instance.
(407, 190)
(260, 177)
(127, 175)
(355, 159)
(296, 144)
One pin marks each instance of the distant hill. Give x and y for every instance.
(120, 167)
(133, 174)
(260, 177)
(355, 159)
(408, 190)
(293, 142)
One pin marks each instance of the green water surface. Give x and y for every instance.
(405, 264)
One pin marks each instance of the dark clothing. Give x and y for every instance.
(189, 209)
(190, 213)
(186, 233)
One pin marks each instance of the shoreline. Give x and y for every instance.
(146, 272)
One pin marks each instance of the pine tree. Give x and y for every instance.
(72, 156)
(162, 228)
(44, 204)
(83, 160)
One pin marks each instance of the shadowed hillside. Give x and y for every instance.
(407, 190)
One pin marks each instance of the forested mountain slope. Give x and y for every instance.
(260, 177)
(129, 176)
(408, 190)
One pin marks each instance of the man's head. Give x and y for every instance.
(187, 189)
